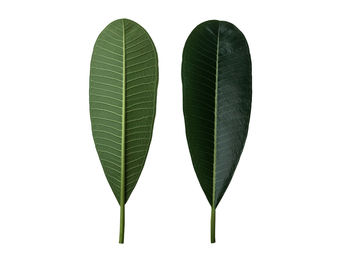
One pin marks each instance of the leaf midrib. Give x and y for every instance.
(215, 115)
(122, 174)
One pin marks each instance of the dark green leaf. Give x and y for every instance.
(217, 93)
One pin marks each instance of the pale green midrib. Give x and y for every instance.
(215, 117)
(122, 170)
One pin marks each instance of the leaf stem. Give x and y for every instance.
(122, 224)
(212, 225)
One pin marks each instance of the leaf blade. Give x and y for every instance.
(216, 77)
(123, 90)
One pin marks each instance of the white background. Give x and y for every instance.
(289, 200)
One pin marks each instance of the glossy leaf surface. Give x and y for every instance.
(217, 93)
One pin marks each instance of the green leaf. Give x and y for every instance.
(217, 94)
(123, 91)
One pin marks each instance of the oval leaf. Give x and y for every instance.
(217, 92)
(123, 90)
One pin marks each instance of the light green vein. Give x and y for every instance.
(215, 115)
(122, 192)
